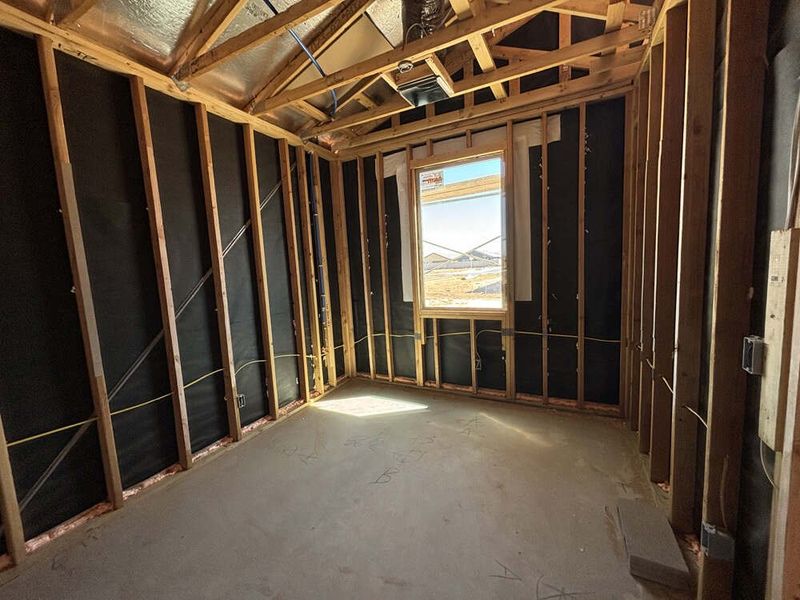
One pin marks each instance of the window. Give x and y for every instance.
(462, 246)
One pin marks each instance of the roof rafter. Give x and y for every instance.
(207, 31)
(254, 36)
(415, 50)
(532, 65)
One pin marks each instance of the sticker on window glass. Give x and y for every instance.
(431, 180)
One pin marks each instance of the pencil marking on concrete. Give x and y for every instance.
(386, 476)
(507, 573)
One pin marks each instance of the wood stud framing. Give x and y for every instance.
(545, 246)
(163, 279)
(261, 270)
(666, 240)
(387, 313)
(648, 257)
(509, 321)
(289, 220)
(343, 267)
(218, 268)
(330, 350)
(9, 507)
(701, 27)
(736, 202)
(665, 216)
(307, 247)
(419, 324)
(80, 270)
(581, 253)
(626, 260)
(638, 228)
(362, 220)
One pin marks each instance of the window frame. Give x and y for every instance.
(448, 159)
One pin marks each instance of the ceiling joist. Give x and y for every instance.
(250, 38)
(593, 64)
(207, 31)
(552, 97)
(515, 70)
(413, 51)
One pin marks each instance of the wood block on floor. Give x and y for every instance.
(653, 552)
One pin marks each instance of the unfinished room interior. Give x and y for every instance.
(400, 299)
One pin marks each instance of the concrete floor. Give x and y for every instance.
(454, 499)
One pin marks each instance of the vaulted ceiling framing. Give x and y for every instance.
(215, 40)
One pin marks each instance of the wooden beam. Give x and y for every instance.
(289, 222)
(783, 567)
(614, 17)
(545, 261)
(511, 53)
(334, 25)
(437, 364)
(74, 44)
(509, 341)
(736, 203)
(552, 59)
(643, 88)
(581, 254)
(666, 242)
(387, 313)
(594, 64)
(254, 195)
(343, 268)
(526, 99)
(201, 37)
(627, 221)
(564, 40)
(689, 311)
(491, 120)
(477, 42)
(365, 267)
(330, 344)
(218, 269)
(473, 356)
(254, 36)
(413, 224)
(598, 9)
(657, 471)
(9, 507)
(309, 110)
(75, 11)
(310, 267)
(465, 86)
(80, 270)
(358, 93)
(163, 278)
(413, 51)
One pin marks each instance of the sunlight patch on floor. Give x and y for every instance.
(368, 406)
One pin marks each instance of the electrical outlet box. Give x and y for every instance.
(778, 320)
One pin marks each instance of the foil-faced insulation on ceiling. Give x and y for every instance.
(146, 30)
(239, 79)
(385, 14)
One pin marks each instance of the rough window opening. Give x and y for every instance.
(462, 234)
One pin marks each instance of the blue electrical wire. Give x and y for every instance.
(310, 56)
